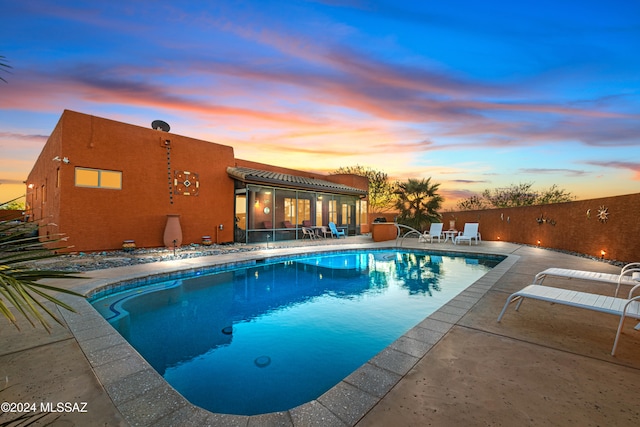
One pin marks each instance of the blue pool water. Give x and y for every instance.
(272, 336)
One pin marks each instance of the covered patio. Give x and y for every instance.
(272, 206)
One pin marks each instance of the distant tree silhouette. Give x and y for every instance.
(381, 195)
(515, 195)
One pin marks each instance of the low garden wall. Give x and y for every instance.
(609, 224)
(11, 215)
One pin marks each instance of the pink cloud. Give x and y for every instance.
(633, 167)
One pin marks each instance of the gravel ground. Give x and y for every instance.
(101, 260)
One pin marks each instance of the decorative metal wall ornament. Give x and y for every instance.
(167, 144)
(588, 213)
(186, 183)
(542, 220)
(603, 214)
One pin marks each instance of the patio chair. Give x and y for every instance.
(470, 233)
(287, 224)
(335, 231)
(306, 223)
(307, 232)
(629, 275)
(435, 232)
(325, 231)
(624, 308)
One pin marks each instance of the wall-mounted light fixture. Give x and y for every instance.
(602, 253)
(63, 160)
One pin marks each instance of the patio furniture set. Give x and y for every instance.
(624, 307)
(628, 307)
(317, 232)
(435, 232)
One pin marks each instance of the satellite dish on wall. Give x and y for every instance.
(160, 125)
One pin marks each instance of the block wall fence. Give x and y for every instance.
(578, 226)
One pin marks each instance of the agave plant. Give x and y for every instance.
(19, 286)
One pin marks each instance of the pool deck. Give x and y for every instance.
(544, 365)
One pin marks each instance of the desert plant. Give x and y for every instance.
(418, 203)
(515, 195)
(19, 281)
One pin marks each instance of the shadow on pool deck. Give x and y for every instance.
(544, 365)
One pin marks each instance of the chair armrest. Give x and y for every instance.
(633, 290)
(629, 271)
(635, 265)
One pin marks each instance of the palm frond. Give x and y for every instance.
(20, 285)
(4, 66)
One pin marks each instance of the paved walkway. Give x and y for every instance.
(544, 365)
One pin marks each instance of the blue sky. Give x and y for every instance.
(473, 94)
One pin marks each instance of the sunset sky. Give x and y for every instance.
(473, 94)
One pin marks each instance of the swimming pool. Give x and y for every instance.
(275, 335)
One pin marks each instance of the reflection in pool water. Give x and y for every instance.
(275, 335)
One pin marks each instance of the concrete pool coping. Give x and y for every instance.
(535, 349)
(145, 398)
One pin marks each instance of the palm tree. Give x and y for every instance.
(418, 203)
(19, 286)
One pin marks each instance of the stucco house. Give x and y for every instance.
(101, 182)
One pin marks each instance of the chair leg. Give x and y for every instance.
(539, 279)
(511, 299)
(618, 332)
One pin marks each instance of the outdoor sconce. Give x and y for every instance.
(602, 254)
(538, 243)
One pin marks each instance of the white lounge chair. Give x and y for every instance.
(630, 275)
(624, 308)
(335, 231)
(470, 233)
(435, 232)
